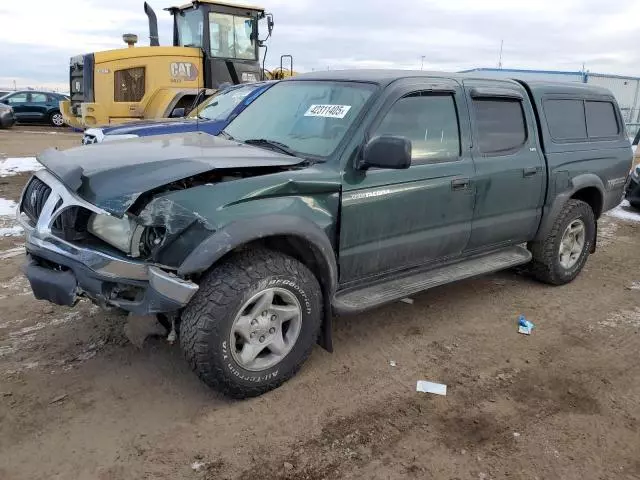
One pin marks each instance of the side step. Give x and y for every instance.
(363, 298)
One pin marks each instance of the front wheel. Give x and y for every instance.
(253, 322)
(560, 257)
(56, 119)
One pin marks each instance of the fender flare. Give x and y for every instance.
(551, 212)
(240, 233)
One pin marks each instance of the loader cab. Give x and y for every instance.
(227, 33)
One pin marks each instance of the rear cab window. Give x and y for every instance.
(572, 120)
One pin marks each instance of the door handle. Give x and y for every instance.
(529, 172)
(460, 184)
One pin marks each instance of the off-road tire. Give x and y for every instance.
(546, 265)
(208, 319)
(635, 205)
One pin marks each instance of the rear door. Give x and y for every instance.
(38, 106)
(510, 168)
(397, 219)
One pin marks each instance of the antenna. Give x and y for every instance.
(500, 57)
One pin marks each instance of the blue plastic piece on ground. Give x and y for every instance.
(524, 325)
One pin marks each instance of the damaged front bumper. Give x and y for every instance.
(60, 271)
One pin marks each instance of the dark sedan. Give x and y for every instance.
(35, 106)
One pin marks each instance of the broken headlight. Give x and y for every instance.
(123, 233)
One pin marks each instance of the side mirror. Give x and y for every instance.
(177, 113)
(270, 23)
(386, 151)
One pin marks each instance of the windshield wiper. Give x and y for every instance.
(264, 142)
(224, 134)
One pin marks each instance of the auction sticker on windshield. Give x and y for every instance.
(329, 111)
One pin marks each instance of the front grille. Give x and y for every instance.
(34, 198)
(128, 85)
(70, 224)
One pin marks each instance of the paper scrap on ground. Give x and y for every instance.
(408, 301)
(392, 363)
(430, 387)
(14, 165)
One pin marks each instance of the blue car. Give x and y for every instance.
(211, 117)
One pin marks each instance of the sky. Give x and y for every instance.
(448, 35)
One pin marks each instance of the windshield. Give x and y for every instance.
(190, 25)
(220, 106)
(309, 117)
(232, 36)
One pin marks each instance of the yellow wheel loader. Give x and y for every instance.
(214, 43)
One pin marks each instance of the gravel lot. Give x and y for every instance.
(78, 401)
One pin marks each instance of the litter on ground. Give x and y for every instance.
(430, 387)
(525, 326)
(408, 301)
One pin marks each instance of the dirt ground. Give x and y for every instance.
(78, 401)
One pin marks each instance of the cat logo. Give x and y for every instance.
(183, 71)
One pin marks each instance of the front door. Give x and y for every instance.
(398, 219)
(510, 168)
(18, 101)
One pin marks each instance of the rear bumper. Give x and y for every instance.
(59, 271)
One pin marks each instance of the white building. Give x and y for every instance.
(625, 89)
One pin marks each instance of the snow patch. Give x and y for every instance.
(624, 318)
(14, 231)
(625, 212)
(607, 232)
(7, 207)
(13, 165)
(8, 225)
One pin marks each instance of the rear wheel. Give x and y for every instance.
(253, 322)
(56, 119)
(560, 257)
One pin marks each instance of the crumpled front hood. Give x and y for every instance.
(113, 175)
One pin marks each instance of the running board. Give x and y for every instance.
(355, 300)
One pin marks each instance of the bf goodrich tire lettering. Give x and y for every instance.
(547, 265)
(227, 292)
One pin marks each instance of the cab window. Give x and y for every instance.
(430, 121)
(190, 27)
(232, 36)
(501, 126)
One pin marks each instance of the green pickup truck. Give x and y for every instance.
(332, 193)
